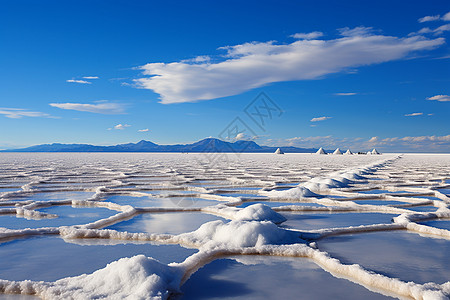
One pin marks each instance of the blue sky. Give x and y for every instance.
(343, 73)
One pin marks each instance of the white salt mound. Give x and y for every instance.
(238, 234)
(259, 212)
(337, 152)
(374, 151)
(321, 151)
(279, 151)
(295, 193)
(348, 152)
(138, 277)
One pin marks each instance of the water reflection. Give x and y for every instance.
(51, 258)
(262, 277)
(398, 254)
(311, 221)
(67, 216)
(172, 223)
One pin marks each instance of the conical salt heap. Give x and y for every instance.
(337, 152)
(348, 152)
(321, 151)
(279, 151)
(374, 151)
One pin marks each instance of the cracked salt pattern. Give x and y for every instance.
(366, 226)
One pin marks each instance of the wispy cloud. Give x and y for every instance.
(143, 130)
(90, 77)
(308, 36)
(414, 114)
(320, 119)
(18, 113)
(102, 107)
(198, 59)
(437, 31)
(426, 143)
(429, 18)
(441, 98)
(78, 81)
(255, 64)
(445, 17)
(345, 94)
(121, 126)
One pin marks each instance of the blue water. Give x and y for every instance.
(400, 254)
(51, 258)
(261, 277)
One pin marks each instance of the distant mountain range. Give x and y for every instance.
(205, 145)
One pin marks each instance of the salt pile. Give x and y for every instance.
(279, 151)
(321, 151)
(348, 152)
(337, 151)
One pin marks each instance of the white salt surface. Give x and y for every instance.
(352, 225)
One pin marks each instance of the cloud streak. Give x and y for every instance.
(18, 113)
(445, 17)
(78, 81)
(414, 114)
(441, 98)
(103, 107)
(121, 126)
(308, 36)
(255, 64)
(429, 18)
(345, 94)
(318, 119)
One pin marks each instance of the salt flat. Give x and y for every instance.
(147, 225)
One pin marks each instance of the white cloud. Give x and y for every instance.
(433, 138)
(308, 36)
(121, 126)
(18, 113)
(373, 139)
(441, 98)
(429, 18)
(143, 130)
(240, 136)
(78, 81)
(442, 28)
(198, 59)
(102, 107)
(437, 31)
(414, 114)
(320, 119)
(252, 65)
(345, 94)
(357, 31)
(90, 77)
(446, 17)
